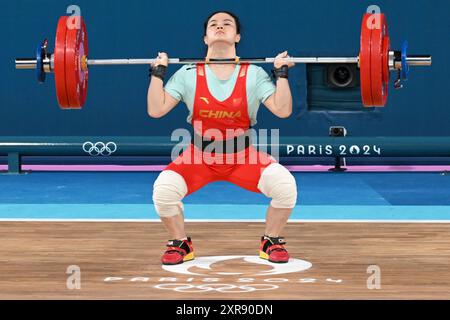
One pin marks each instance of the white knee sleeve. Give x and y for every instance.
(278, 183)
(168, 191)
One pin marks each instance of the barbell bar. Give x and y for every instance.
(70, 62)
(412, 60)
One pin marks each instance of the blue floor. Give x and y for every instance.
(322, 195)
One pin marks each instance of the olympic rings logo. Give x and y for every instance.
(99, 148)
(218, 287)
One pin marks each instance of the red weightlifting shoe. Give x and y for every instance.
(178, 251)
(272, 249)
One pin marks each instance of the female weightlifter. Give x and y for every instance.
(223, 100)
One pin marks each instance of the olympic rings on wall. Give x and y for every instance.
(99, 148)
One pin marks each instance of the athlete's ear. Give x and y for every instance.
(238, 38)
(204, 39)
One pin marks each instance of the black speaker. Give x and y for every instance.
(342, 76)
(337, 131)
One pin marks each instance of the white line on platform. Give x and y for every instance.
(226, 220)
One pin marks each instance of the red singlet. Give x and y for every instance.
(199, 168)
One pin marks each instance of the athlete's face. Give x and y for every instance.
(221, 27)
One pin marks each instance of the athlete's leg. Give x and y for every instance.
(277, 183)
(179, 179)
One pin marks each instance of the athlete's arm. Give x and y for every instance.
(280, 102)
(159, 102)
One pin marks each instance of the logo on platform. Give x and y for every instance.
(205, 263)
(211, 277)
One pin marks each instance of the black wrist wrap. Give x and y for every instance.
(159, 71)
(281, 72)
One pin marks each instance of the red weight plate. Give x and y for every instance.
(364, 61)
(76, 75)
(386, 71)
(379, 89)
(59, 62)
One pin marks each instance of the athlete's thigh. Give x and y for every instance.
(194, 171)
(247, 174)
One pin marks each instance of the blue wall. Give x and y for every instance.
(116, 103)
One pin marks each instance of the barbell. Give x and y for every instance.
(70, 62)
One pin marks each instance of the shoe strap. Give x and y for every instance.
(176, 249)
(179, 246)
(275, 247)
(274, 240)
(273, 243)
